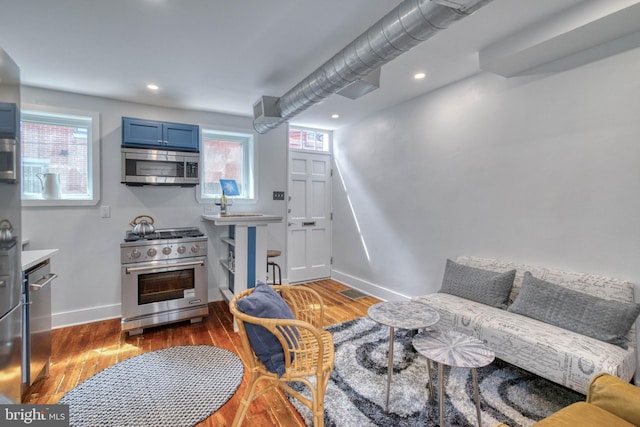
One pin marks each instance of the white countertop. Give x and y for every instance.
(242, 219)
(31, 258)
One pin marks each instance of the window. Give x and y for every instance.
(60, 142)
(227, 155)
(308, 139)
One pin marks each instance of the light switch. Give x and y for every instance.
(278, 195)
(105, 211)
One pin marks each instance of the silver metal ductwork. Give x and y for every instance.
(409, 24)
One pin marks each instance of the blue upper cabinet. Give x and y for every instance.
(139, 133)
(8, 120)
(181, 137)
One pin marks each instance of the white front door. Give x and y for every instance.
(309, 216)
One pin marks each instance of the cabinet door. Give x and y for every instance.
(181, 137)
(142, 133)
(8, 120)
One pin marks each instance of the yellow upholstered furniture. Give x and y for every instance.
(309, 356)
(611, 402)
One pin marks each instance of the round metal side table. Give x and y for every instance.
(454, 349)
(404, 315)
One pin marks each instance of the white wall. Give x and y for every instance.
(88, 264)
(539, 169)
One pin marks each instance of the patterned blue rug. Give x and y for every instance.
(356, 392)
(172, 387)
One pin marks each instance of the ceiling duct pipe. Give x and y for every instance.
(409, 24)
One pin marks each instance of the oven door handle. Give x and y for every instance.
(155, 267)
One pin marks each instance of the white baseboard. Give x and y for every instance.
(84, 315)
(368, 287)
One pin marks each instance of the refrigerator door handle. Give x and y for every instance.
(38, 286)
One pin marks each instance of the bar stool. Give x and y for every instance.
(272, 253)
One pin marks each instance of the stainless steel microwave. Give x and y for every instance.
(159, 167)
(8, 160)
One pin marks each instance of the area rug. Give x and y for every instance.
(172, 387)
(356, 392)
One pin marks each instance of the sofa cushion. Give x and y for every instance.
(264, 302)
(595, 317)
(484, 286)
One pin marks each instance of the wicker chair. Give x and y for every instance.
(311, 355)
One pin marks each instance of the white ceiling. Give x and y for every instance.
(222, 55)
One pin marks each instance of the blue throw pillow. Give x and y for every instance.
(266, 303)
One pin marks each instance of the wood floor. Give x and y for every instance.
(82, 351)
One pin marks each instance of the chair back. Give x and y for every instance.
(298, 337)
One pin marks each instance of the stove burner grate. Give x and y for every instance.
(164, 234)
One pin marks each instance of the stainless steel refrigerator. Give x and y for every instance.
(10, 232)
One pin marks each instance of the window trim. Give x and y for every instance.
(93, 157)
(309, 129)
(252, 156)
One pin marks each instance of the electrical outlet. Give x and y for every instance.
(278, 195)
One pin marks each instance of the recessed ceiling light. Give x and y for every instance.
(335, 116)
(152, 86)
(419, 76)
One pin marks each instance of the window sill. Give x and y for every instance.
(28, 203)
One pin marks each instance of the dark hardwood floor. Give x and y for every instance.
(82, 351)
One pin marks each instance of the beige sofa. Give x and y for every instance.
(554, 353)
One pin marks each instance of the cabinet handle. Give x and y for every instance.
(309, 223)
(38, 286)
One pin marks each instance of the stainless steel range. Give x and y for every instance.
(164, 278)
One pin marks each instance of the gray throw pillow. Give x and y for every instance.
(585, 314)
(484, 286)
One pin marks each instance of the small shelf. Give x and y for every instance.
(228, 241)
(226, 294)
(225, 264)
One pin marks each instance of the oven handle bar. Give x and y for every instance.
(155, 267)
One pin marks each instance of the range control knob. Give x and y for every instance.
(135, 253)
(195, 249)
(152, 252)
(166, 250)
(181, 249)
